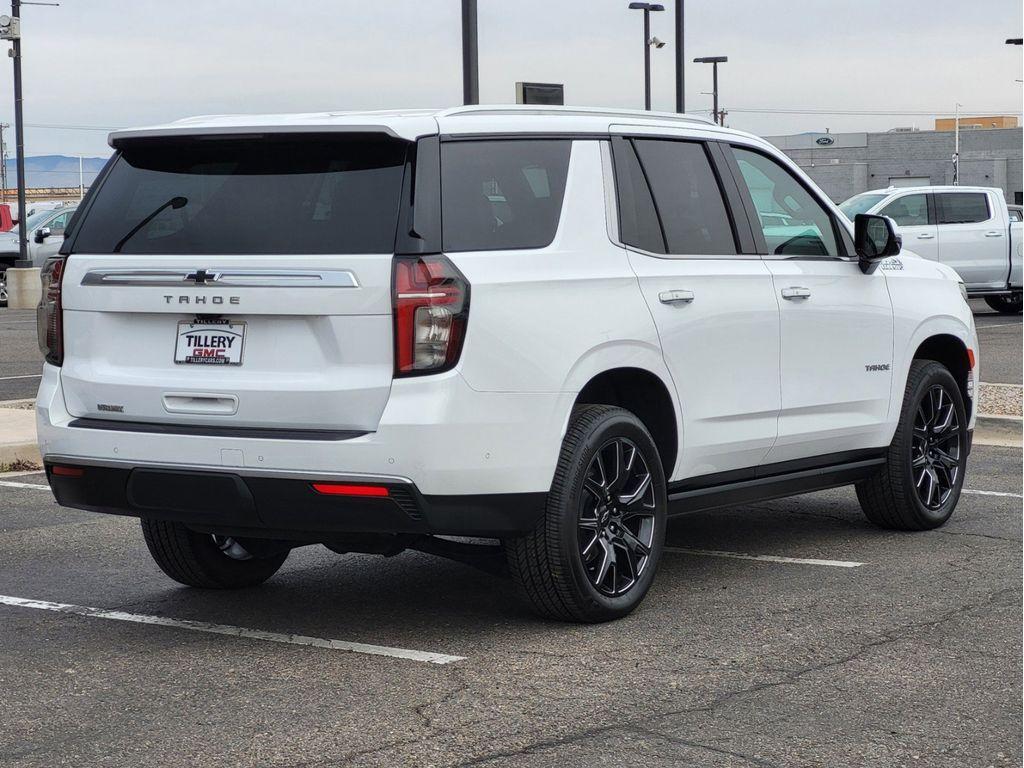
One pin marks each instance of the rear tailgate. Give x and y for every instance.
(258, 296)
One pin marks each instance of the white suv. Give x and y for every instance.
(552, 327)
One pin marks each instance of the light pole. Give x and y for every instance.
(714, 61)
(648, 8)
(470, 54)
(680, 59)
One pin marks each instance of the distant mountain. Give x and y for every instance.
(54, 171)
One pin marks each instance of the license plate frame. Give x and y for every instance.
(215, 340)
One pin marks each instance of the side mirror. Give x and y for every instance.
(875, 239)
(42, 234)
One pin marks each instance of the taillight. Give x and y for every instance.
(49, 314)
(431, 300)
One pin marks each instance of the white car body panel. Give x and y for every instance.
(753, 379)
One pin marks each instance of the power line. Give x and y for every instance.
(866, 112)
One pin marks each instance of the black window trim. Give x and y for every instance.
(842, 242)
(742, 240)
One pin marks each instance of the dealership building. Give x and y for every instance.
(845, 164)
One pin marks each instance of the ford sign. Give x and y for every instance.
(825, 141)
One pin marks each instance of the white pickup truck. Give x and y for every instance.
(967, 228)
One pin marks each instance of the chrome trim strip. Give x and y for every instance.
(224, 278)
(223, 468)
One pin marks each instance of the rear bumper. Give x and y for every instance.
(280, 506)
(436, 432)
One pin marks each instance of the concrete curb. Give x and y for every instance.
(1005, 431)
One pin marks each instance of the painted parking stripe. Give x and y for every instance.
(227, 629)
(15, 484)
(993, 493)
(765, 558)
(26, 376)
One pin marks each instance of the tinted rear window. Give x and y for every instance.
(503, 194)
(287, 195)
(962, 207)
(687, 197)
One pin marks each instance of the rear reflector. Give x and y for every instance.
(970, 358)
(339, 489)
(56, 469)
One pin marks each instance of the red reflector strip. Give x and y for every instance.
(67, 471)
(339, 489)
(970, 358)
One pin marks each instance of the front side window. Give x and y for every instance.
(59, 223)
(962, 207)
(687, 197)
(502, 194)
(794, 223)
(263, 195)
(908, 211)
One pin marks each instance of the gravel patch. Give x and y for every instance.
(1001, 400)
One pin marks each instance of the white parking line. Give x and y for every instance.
(766, 558)
(29, 376)
(993, 493)
(998, 325)
(226, 629)
(15, 484)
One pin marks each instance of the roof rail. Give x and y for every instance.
(540, 109)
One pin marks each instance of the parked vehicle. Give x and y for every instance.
(1016, 212)
(552, 327)
(969, 228)
(46, 234)
(6, 218)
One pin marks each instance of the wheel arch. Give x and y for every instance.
(647, 396)
(952, 352)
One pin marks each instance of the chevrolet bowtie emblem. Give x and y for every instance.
(202, 276)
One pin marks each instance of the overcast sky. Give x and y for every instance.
(114, 63)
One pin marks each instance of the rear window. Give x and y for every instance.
(962, 207)
(287, 195)
(502, 194)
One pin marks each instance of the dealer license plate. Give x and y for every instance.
(210, 343)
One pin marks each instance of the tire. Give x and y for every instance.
(200, 560)
(1006, 305)
(559, 564)
(923, 458)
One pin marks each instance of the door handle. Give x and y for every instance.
(993, 234)
(675, 297)
(925, 236)
(795, 293)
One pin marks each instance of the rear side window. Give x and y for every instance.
(908, 211)
(638, 219)
(502, 194)
(962, 207)
(281, 195)
(687, 197)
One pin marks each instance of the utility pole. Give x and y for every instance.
(680, 59)
(956, 149)
(470, 54)
(19, 128)
(3, 163)
(81, 181)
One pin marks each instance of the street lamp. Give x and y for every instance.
(648, 8)
(714, 61)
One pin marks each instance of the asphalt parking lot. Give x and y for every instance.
(788, 633)
(910, 657)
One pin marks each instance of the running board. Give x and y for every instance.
(772, 487)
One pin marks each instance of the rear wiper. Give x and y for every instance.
(174, 202)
